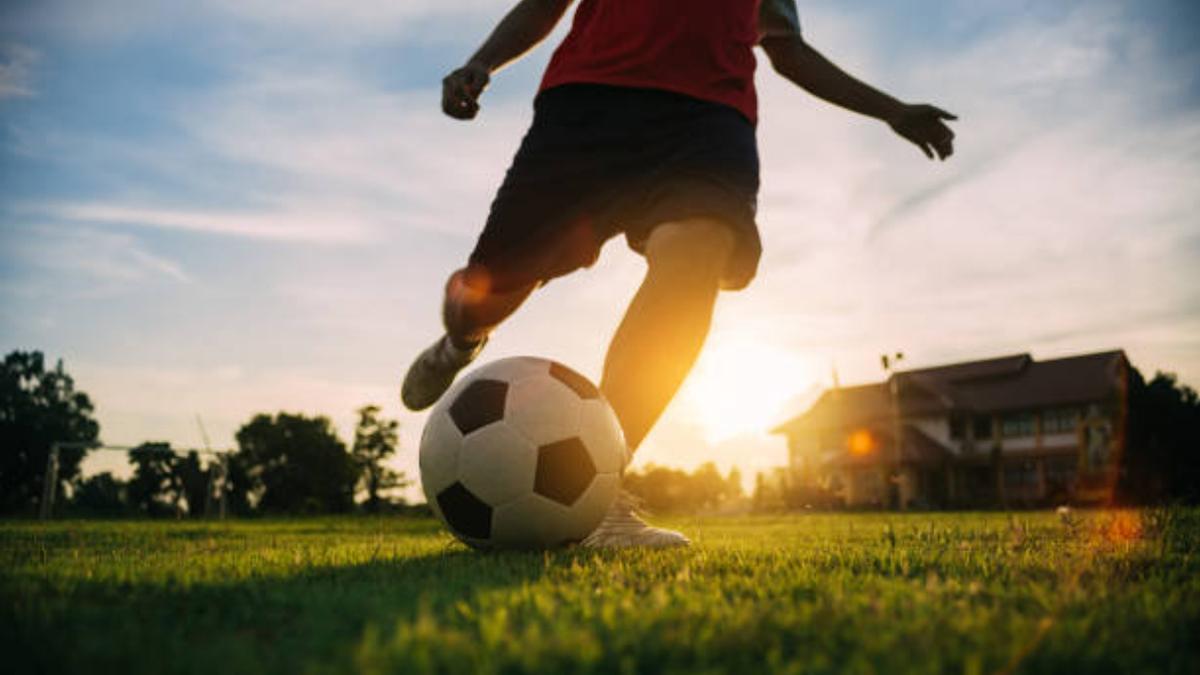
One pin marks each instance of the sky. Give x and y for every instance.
(224, 207)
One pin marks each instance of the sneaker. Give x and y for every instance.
(431, 374)
(623, 528)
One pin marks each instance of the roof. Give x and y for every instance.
(1013, 382)
(1076, 379)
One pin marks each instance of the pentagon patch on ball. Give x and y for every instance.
(521, 453)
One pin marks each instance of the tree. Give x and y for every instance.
(770, 491)
(191, 479)
(239, 485)
(297, 463)
(665, 490)
(375, 440)
(1162, 441)
(100, 495)
(37, 409)
(154, 489)
(733, 485)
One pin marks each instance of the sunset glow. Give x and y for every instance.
(742, 385)
(166, 234)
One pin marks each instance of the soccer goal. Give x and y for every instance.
(216, 494)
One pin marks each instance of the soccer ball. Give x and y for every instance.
(521, 453)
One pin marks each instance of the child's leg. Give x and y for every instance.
(471, 310)
(666, 323)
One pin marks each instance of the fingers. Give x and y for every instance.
(944, 143)
(453, 103)
(460, 91)
(944, 149)
(936, 148)
(942, 114)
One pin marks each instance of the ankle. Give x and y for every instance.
(465, 343)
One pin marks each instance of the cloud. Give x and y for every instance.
(297, 224)
(338, 137)
(1062, 223)
(333, 22)
(368, 18)
(1065, 223)
(106, 260)
(16, 71)
(309, 153)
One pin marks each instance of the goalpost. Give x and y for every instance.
(218, 475)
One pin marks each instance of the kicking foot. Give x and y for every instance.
(431, 373)
(623, 528)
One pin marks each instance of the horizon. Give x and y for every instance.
(235, 208)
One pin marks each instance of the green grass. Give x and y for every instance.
(930, 593)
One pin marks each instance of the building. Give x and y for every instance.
(1008, 431)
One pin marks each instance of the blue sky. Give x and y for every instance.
(243, 206)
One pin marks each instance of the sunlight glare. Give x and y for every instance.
(742, 384)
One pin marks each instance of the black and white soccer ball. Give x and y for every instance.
(522, 453)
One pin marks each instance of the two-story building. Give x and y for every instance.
(1003, 431)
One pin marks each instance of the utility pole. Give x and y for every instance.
(49, 483)
(890, 363)
(218, 475)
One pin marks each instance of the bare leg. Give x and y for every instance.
(667, 322)
(471, 310)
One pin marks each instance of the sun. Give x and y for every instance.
(741, 384)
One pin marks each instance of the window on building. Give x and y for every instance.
(1016, 425)
(1020, 474)
(957, 427)
(1060, 420)
(981, 427)
(1061, 472)
(1098, 447)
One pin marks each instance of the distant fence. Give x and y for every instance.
(216, 494)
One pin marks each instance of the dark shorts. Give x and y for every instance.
(600, 161)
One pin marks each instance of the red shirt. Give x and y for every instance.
(701, 48)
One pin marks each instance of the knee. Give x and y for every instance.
(697, 248)
(467, 287)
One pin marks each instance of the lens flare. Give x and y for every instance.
(861, 443)
(742, 385)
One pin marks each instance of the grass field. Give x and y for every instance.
(930, 593)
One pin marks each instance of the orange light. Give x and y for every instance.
(861, 442)
(1124, 527)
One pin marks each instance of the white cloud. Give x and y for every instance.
(1061, 224)
(296, 224)
(367, 18)
(319, 157)
(106, 260)
(329, 21)
(16, 71)
(340, 139)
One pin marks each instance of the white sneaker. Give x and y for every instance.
(431, 374)
(623, 528)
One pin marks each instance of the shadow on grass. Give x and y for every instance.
(312, 619)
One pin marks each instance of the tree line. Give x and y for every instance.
(296, 464)
(704, 491)
(284, 463)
